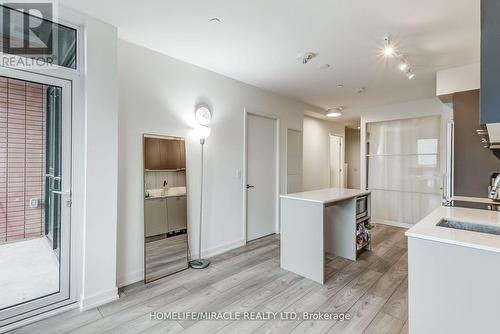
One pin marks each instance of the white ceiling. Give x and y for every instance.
(258, 40)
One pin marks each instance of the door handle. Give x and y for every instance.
(249, 186)
(66, 194)
(51, 176)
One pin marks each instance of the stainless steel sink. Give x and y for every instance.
(469, 226)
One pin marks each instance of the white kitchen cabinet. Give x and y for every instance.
(176, 213)
(155, 216)
(452, 289)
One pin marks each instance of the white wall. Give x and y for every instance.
(158, 94)
(94, 157)
(101, 164)
(316, 158)
(458, 79)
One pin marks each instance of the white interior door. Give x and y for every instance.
(336, 162)
(261, 176)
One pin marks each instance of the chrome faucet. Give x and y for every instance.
(494, 189)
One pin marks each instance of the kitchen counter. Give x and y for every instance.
(170, 192)
(453, 274)
(427, 229)
(328, 195)
(314, 223)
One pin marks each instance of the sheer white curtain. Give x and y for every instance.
(404, 168)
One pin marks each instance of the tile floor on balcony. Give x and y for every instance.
(29, 269)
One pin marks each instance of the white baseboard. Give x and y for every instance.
(138, 275)
(391, 223)
(99, 299)
(222, 248)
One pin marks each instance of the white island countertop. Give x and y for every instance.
(328, 195)
(427, 229)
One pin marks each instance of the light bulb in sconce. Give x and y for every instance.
(202, 132)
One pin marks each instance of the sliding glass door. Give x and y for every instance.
(404, 168)
(35, 188)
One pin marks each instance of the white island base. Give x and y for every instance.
(317, 222)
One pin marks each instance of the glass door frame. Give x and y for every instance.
(67, 282)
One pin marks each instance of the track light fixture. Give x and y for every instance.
(390, 51)
(403, 65)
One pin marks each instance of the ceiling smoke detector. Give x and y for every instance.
(305, 57)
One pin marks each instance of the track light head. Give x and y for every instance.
(403, 65)
(388, 48)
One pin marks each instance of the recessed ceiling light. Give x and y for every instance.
(215, 20)
(335, 112)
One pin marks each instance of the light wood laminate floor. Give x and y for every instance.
(166, 256)
(373, 290)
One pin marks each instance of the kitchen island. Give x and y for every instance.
(317, 222)
(454, 272)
